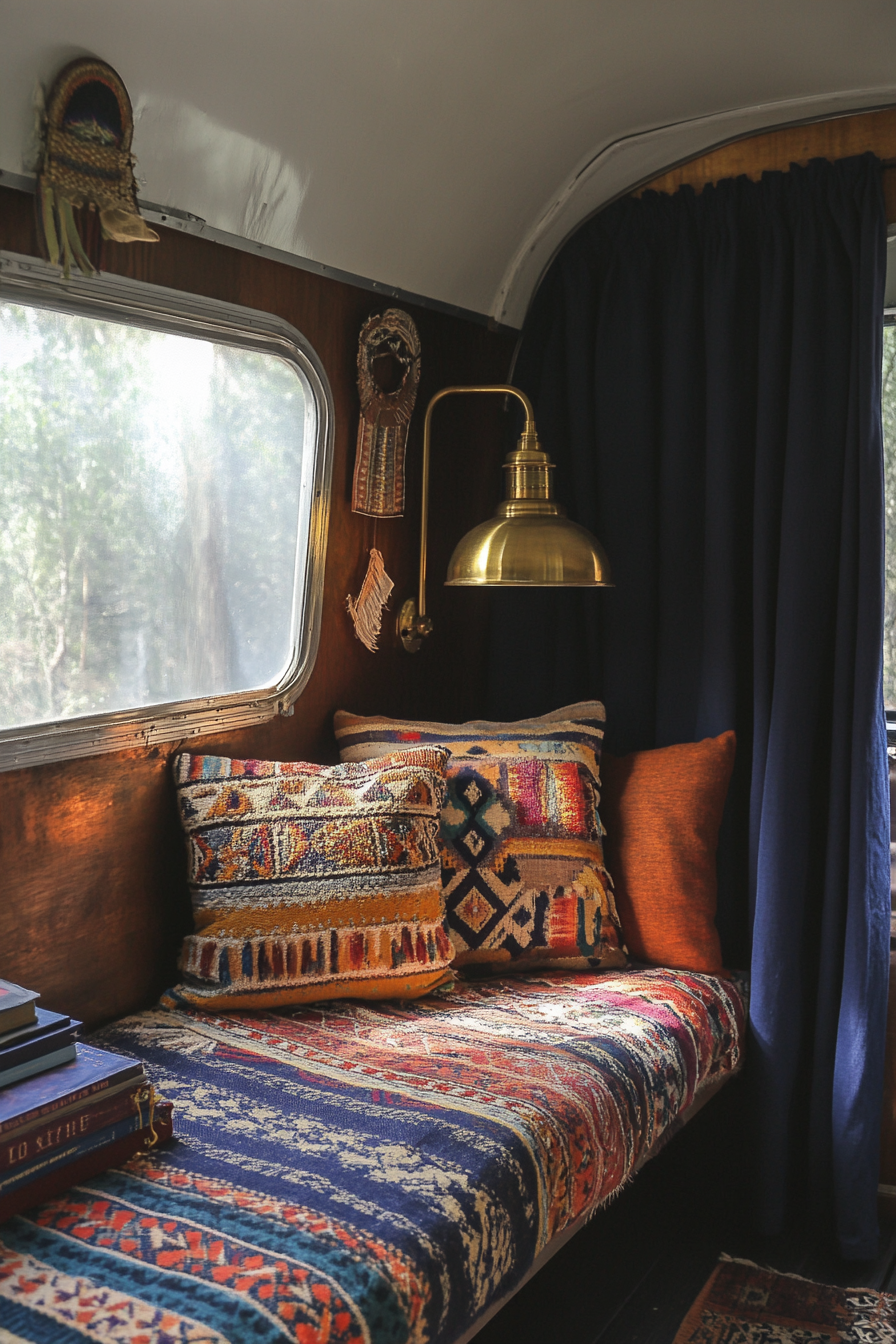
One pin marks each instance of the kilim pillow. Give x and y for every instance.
(522, 858)
(663, 809)
(313, 882)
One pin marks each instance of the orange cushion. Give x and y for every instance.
(662, 810)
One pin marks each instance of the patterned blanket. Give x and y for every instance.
(377, 1173)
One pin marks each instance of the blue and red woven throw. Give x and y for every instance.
(356, 1172)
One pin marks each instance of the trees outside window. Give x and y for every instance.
(154, 515)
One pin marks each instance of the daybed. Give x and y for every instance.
(357, 1172)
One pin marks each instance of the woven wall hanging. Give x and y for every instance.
(378, 486)
(86, 160)
(367, 611)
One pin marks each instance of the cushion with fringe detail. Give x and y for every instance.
(313, 882)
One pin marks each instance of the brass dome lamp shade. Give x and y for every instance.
(529, 543)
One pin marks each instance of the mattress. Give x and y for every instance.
(377, 1173)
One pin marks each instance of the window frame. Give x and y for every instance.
(114, 298)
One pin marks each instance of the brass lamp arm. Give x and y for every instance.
(503, 389)
(415, 625)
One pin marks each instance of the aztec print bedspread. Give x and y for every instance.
(354, 1172)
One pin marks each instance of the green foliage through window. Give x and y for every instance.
(150, 515)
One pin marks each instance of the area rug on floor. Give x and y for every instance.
(741, 1303)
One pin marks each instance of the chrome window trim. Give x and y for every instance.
(114, 298)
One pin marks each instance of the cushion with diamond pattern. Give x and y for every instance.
(520, 835)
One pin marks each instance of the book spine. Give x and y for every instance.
(61, 1157)
(13, 1055)
(85, 1168)
(67, 1055)
(37, 1113)
(50, 1134)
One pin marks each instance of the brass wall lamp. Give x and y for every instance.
(528, 543)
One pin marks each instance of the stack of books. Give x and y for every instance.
(32, 1039)
(67, 1110)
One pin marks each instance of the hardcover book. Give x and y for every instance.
(32, 1046)
(91, 1072)
(86, 1166)
(17, 1006)
(64, 1055)
(45, 1022)
(113, 1096)
(35, 1140)
(63, 1153)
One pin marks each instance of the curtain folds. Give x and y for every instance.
(706, 374)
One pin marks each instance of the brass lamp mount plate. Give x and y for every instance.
(412, 629)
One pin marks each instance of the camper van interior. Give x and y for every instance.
(447, 645)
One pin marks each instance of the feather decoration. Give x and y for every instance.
(367, 612)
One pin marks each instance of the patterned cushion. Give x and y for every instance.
(313, 882)
(522, 858)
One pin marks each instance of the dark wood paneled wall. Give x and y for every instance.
(93, 898)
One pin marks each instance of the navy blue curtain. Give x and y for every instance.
(706, 374)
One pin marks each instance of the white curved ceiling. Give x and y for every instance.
(443, 147)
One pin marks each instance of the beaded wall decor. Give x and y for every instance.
(378, 486)
(86, 160)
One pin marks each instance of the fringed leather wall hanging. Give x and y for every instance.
(86, 160)
(367, 612)
(378, 486)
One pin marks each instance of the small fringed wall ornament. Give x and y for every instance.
(378, 486)
(86, 160)
(367, 612)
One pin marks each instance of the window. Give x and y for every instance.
(164, 469)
